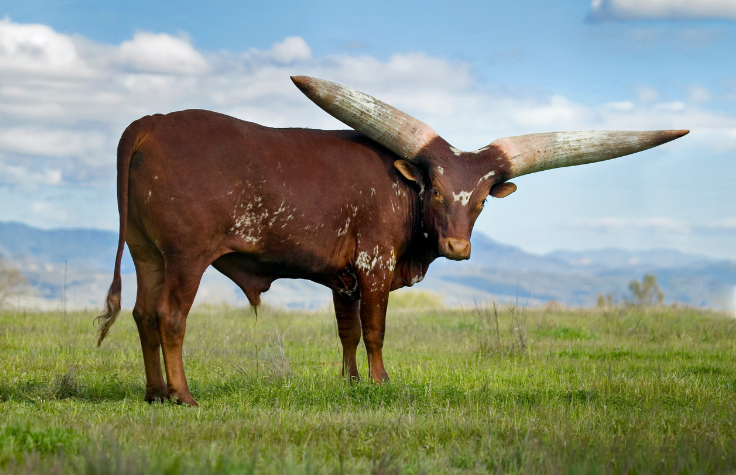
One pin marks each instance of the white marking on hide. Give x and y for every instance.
(390, 264)
(417, 278)
(148, 197)
(373, 192)
(441, 170)
(363, 262)
(342, 232)
(281, 208)
(426, 235)
(480, 150)
(485, 177)
(250, 224)
(456, 151)
(463, 197)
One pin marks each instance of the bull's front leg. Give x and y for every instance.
(347, 312)
(374, 292)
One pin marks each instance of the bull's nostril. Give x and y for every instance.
(457, 248)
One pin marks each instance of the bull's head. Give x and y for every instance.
(453, 185)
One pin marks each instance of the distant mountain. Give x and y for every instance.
(578, 277)
(611, 258)
(499, 271)
(86, 247)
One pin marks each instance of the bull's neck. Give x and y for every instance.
(420, 246)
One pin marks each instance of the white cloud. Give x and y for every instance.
(674, 106)
(293, 48)
(624, 10)
(726, 224)
(699, 94)
(660, 225)
(646, 94)
(161, 53)
(655, 224)
(26, 178)
(50, 143)
(620, 106)
(559, 110)
(52, 213)
(38, 50)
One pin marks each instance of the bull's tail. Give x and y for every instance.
(112, 307)
(128, 145)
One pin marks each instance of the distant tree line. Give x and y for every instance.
(643, 294)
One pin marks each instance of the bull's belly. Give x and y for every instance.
(254, 274)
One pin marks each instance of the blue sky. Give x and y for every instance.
(73, 74)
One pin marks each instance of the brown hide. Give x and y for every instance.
(199, 188)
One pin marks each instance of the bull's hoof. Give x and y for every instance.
(159, 395)
(380, 378)
(183, 399)
(351, 375)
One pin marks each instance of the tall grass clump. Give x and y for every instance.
(269, 358)
(501, 332)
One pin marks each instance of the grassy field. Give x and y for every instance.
(472, 391)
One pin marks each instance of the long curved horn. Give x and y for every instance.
(536, 152)
(392, 128)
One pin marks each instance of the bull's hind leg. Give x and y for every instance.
(149, 270)
(150, 277)
(347, 313)
(177, 295)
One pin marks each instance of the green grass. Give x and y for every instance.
(543, 391)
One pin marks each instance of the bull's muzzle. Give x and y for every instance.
(456, 249)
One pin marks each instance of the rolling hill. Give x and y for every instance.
(495, 270)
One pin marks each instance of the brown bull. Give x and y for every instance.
(362, 212)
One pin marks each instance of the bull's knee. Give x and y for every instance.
(143, 318)
(147, 328)
(349, 332)
(351, 339)
(138, 315)
(373, 341)
(170, 324)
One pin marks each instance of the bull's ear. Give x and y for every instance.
(502, 190)
(410, 172)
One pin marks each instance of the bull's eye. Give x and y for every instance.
(435, 192)
(436, 195)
